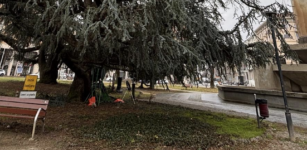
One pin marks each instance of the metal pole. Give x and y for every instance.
(133, 90)
(287, 113)
(2, 58)
(257, 114)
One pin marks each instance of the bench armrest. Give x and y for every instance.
(43, 110)
(38, 112)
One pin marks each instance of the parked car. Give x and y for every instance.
(2, 72)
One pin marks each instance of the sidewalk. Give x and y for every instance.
(211, 102)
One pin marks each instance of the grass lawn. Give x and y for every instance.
(7, 79)
(171, 126)
(142, 125)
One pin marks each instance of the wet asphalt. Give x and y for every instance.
(212, 102)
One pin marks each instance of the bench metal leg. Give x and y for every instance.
(43, 124)
(34, 124)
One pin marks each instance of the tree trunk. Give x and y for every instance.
(141, 86)
(133, 90)
(162, 83)
(165, 85)
(76, 90)
(152, 83)
(119, 84)
(48, 75)
(80, 88)
(48, 68)
(113, 81)
(212, 77)
(82, 84)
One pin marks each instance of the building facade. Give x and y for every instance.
(9, 62)
(266, 78)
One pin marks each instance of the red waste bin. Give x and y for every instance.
(263, 107)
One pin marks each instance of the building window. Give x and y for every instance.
(287, 36)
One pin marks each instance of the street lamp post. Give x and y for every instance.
(287, 113)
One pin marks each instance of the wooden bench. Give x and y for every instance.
(24, 108)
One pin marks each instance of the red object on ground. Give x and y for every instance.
(119, 101)
(92, 101)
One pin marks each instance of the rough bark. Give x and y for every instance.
(81, 85)
(80, 88)
(48, 67)
(76, 90)
(49, 76)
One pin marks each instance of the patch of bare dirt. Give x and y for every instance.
(61, 131)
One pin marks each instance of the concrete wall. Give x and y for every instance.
(265, 78)
(296, 101)
(294, 75)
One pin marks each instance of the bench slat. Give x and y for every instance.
(17, 116)
(21, 111)
(24, 100)
(22, 105)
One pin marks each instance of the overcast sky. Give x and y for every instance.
(230, 21)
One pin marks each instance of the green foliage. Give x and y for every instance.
(151, 39)
(236, 127)
(54, 99)
(135, 32)
(171, 126)
(156, 128)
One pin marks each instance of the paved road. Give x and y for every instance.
(211, 102)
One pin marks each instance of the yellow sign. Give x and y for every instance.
(30, 83)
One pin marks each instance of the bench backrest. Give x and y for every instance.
(23, 103)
